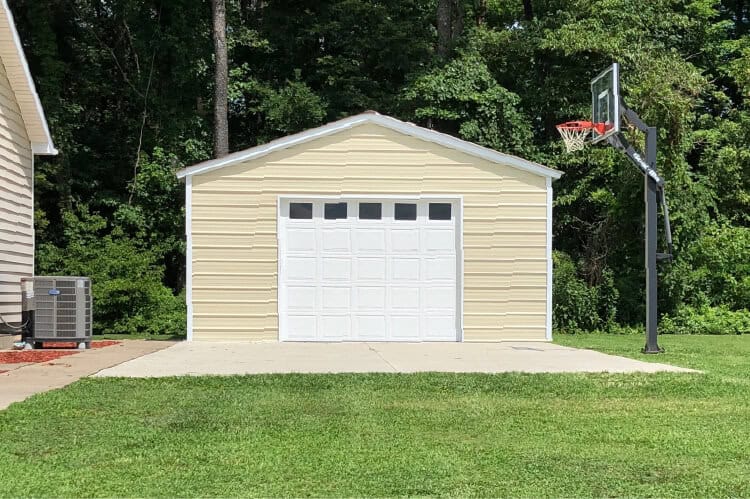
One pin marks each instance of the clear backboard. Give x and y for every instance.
(605, 93)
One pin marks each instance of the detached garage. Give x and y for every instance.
(369, 229)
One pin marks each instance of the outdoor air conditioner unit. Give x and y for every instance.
(57, 309)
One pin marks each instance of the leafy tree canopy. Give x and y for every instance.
(127, 87)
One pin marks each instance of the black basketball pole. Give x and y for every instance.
(653, 195)
(650, 188)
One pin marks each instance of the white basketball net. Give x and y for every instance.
(574, 137)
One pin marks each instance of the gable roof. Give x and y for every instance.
(17, 69)
(377, 119)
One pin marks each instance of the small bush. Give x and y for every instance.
(576, 306)
(706, 320)
(713, 271)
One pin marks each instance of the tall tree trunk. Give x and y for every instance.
(450, 23)
(221, 78)
(458, 20)
(528, 10)
(444, 27)
(740, 24)
(481, 12)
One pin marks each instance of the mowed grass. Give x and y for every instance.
(673, 435)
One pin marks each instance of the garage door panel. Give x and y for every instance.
(370, 327)
(302, 326)
(336, 298)
(337, 269)
(439, 240)
(370, 298)
(300, 268)
(301, 240)
(440, 327)
(335, 327)
(440, 298)
(336, 240)
(405, 298)
(405, 327)
(441, 268)
(369, 241)
(301, 298)
(405, 240)
(405, 269)
(371, 269)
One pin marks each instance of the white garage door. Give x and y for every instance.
(369, 269)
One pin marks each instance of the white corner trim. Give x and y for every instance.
(460, 277)
(281, 305)
(386, 122)
(189, 255)
(548, 325)
(33, 218)
(47, 148)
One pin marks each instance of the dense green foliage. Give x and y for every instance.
(127, 88)
(383, 435)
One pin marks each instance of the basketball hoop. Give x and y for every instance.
(575, 134)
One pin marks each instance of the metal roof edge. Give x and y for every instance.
(49, 147)
(274, 145)
(378, 119)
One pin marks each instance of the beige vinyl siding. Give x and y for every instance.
(234, 216)
(16, 203)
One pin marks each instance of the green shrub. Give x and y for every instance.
(706, 320)
(128, 293)
(576, 306)
(713, 271)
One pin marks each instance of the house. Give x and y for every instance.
(23, 135)
(369, 229)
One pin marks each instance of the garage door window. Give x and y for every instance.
(300, 210)
(370, 211)
(406, 211)
(334, 211)
(440, 211)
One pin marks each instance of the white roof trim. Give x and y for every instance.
(378, 119)
(39, 148)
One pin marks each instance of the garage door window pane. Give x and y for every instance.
(334, 211)
(440, 211)
(370, 211)
(300, 210)
(406, 211)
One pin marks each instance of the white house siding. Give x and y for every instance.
(16, 203)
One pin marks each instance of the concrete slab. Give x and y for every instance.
(14, 366)
(19, 384)
(260, 358)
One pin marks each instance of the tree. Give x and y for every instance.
(503, 80)
(450, 19)
(221, 78)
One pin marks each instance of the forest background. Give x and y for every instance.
(127, 86)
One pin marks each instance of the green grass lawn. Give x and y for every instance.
(142, 336)
(375, 435)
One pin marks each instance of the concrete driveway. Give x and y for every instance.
(27, 380)
(257, 358)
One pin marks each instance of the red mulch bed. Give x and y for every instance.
(19, 356)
